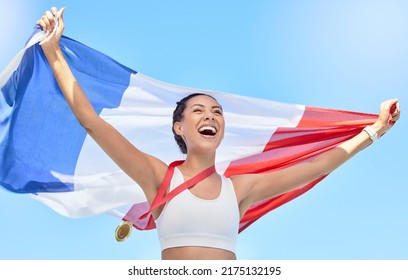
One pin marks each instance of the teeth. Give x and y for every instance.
(207, 128)
(210, 128)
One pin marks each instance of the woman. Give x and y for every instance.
(198, 125)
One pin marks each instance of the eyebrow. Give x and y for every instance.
(213, 107)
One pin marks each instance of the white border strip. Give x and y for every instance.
(260, 269)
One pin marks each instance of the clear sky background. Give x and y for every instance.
(345, 54)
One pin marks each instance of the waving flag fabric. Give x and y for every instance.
(46, 153)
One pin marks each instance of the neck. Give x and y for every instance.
(197, 163)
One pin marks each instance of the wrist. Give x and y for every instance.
(375, 131)
(49, 47)
(372, 133)
(379, 128)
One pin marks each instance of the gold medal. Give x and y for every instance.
(123, 231)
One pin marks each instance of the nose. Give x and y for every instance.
(209, 116)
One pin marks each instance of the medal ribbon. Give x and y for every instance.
(161, 196)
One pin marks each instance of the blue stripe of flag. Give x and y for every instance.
(38, 131)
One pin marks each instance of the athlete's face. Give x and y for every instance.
(202, 126)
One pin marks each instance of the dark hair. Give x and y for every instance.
(178, 116)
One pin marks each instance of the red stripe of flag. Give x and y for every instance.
(318, 131)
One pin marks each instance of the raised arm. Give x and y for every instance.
(146, 170)
(257, 187)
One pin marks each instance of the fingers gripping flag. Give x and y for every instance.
(46, 153)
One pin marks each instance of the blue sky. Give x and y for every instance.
(337, 54)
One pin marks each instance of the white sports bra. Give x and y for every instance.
(188, 220)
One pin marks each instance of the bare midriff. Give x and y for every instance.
(197, 253)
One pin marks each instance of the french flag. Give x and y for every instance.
(45, 152)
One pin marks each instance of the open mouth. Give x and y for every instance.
(207, 130)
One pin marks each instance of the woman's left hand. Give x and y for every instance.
(389, 114)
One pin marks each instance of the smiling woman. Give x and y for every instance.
(198, 106)
(214, 109)
(199, 131)
(198, 127)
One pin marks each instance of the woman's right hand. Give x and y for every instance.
(48, 24)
